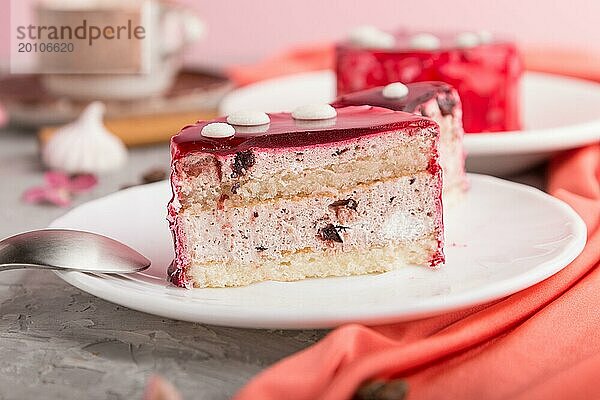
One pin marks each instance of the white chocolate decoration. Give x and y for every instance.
(85, 145)
(315, 124)
(217, 130)
(485, 36)
(467, 39)
(251, 130)
(371, 37)
(248, 118)
(424, 41)
(396, 90)
(314, 112)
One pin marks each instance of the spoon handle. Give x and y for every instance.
(8, 267)
(63, 249)
(17, 257)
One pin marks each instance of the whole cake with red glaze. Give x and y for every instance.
(436, 100)
(485, 71)
(315, 193)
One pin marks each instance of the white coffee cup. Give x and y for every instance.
(150, 64)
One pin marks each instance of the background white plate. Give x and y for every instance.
(559, 113)
(502, 238)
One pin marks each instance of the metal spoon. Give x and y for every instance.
(62, 249)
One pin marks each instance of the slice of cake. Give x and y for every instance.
(485, 71)
(319, 192)
(436, 100)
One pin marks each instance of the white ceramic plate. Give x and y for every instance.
(559, 113)
(502, 238)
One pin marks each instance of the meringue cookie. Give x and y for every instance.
(85, 145)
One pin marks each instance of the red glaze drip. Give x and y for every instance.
(437, 258)
(418, 94)
(176, 276)
(485, 76)
(434, 166)
(286, 132)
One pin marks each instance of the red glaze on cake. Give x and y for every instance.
(285, 132)
(419, 94)
(438, 101)
(358, 193)
(485, 75)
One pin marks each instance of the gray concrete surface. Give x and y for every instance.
(57, 342)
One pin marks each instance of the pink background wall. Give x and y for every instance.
(244, 30)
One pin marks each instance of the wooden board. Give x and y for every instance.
(143, 130)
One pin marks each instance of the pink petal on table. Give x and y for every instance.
(59, 188)
(159, 389)
(56, 179)
(34, 195)
(37, 195)
(58, 197)
(82, 183)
